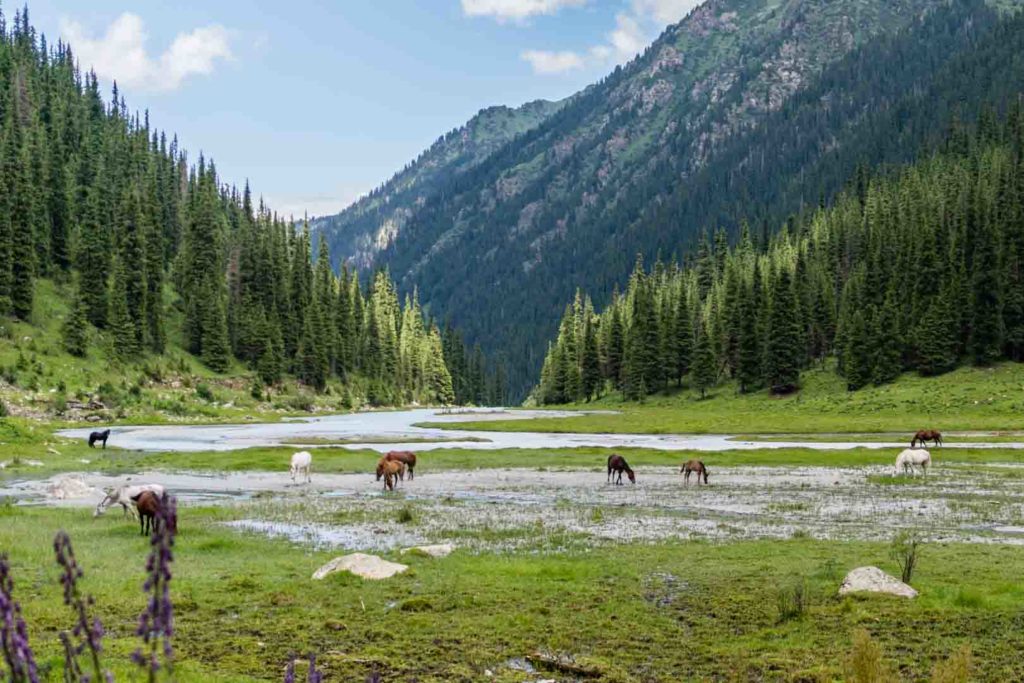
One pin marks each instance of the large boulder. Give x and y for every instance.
(874, 580)
(360, 564)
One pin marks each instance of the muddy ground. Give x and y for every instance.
(521, 509)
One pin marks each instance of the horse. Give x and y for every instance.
(123, 497)
(302, 462)
(925, 435)
(148, 504)
(390, 470)
(617, 464)
(99, 436)
(694, 466)
(910, 458)
(407, 457)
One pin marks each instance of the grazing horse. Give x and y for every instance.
(910, 458)
(407, 457)
(302, 463)
(694, 466)
(123, 497)
(148, 505)
(925, 435)
(390, 470)
(617, 465)
(99, 436)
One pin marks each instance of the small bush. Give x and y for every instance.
(204, 392)
(256, 390)
(405, 515)
(865, 664)
(968, 597)
(3, 409)
(792, 600)
(956, 669)
(60, 404)
(302, 401)
(905, 549)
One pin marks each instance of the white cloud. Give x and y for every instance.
(664, 11)
(120, 54)
(628, 38)
(635, 28)
(552, 62)
(516, 10)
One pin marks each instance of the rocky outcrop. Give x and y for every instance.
(360, 564)
(874, 580)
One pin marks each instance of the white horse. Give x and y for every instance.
(302, 463)
(910, 458)
(123, 497)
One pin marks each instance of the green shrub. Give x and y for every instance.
(956, 669)
(865, 665)
(905, 550)
(204, 392)
(405, 515)
(792, 600)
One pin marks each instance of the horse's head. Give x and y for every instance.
(102, 506)
(632, 477)
(705, 475)
(380, 470)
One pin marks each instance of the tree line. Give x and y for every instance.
(155, 248)
(915, 269)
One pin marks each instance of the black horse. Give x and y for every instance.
(99, 436)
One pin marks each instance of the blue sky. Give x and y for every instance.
(318, 102)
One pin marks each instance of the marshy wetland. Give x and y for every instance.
(553, 565)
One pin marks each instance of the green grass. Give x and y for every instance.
(243, 603)
(967, 399)
(25, 441)
(895, 437)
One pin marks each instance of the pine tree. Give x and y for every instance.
(684, 339)
(591, 365)
(75, 331)
(122, 327)
(782, 351)
(704, 372)
(215, 344)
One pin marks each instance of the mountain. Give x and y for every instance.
(360, 232)
(746, 110)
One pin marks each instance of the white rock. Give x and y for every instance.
(360, 564)
(67, 488)
(440, 550)
(32, 463)
(874, 580)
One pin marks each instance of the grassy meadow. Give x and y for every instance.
(966, 399)
(660, 612)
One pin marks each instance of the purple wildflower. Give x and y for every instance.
(156, 623)
(13, 633)
(314, 676)
(374, 677)
(88, 632)
(289, 672)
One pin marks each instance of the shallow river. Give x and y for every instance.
(391, 430)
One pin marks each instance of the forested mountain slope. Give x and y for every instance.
(749, 109)
(157, 251)
(921, 269)
(360, 232)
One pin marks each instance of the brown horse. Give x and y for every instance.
(407, 457)
(694, 466)
(925, 435)
(148, 505)
(617, 465)
(390, 470)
